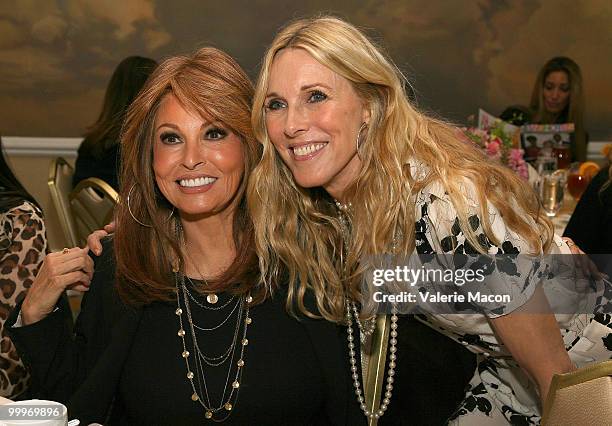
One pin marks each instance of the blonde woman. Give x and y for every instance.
(349, 167)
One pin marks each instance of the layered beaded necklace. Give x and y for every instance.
(366, 329)
(200, 391)
(235, 364)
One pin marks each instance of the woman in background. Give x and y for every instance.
(23, 245)
(98, 154)
(558, 97)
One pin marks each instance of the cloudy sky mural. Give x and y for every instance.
(57, 56)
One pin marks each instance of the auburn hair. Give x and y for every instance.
(211, 84)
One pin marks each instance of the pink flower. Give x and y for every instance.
(481, 133)
(493, 148)
(516, 155)
(517, 163)
(497, 139)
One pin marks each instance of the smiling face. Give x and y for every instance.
(313, 117)
(198, 164)
(556, 92)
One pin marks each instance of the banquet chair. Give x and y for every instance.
(92, 204)
(581, 397)
(60, 185)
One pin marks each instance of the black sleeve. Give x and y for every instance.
(59, 357)
(104, 167)
(586, 224)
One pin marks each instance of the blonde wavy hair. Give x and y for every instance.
(297, 231)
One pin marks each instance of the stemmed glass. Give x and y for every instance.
(550, 190)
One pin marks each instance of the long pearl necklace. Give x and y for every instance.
(366, 329)
(355, 370)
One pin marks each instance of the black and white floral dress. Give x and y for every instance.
(500, 392)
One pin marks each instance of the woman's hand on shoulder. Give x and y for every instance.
(66, 269)
(94, 239)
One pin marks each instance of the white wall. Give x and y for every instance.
(30, 159)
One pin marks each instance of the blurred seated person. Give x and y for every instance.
(98, 154)
(557, 98)
(22, 248)
(591, 223)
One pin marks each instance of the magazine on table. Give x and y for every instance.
(542, 139)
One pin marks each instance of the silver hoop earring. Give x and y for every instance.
(134, 217)
(357, 140)
(130, 208)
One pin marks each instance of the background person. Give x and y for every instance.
(558, 97)
(23, 245)
(98, 154)
(591, 223)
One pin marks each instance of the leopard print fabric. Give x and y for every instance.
(23, 245)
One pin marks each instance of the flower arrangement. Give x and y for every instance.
(499, 146)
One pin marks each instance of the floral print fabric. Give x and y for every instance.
(499, 393)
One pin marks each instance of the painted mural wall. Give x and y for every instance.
(57, 56)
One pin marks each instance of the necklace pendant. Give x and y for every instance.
(208, 414)
(228, 406)
(194, 397)
(212, 298)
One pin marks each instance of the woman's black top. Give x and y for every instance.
(591, 223)
(104, 167)
(124, 366)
